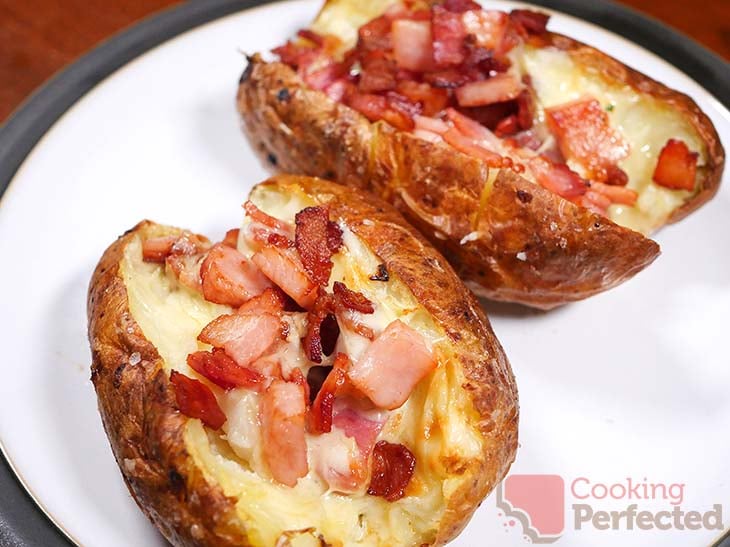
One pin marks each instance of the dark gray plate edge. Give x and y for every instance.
(22, 523)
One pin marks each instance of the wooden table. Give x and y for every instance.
(39, 37)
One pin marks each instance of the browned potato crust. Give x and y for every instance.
(145, 429)
(615, 71)
(532, 247)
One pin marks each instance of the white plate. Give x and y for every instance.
(632, 383)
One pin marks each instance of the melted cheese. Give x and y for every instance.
(645, 123)
(436, 422)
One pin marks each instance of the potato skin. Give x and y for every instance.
(530, 246)
(141, 420)
(138, 408)
(613, 70)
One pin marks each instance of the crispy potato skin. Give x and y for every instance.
(145, 429)
(139, 413)
(613, 70)
(527, 245)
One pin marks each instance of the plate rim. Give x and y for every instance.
(23, 521)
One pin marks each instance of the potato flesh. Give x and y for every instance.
(644, 122)
(434, 423)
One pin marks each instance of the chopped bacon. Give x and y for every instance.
(601, 201)
(156, 249)
(534, 22)
(337, 90)
(186, 269)
(393, 467)
(525, 109)
(312, 341)
(448, 37)
(617, 194)
(616, 176)
(231, 238)
(434, 125)
(472, 147)
(582, 129)
(321, 411)
(312, 243)
(508, 126)
(285, 269)
(282, 413)
(228, 278)
(316, 39)
(377, 74)
(460, 6)
(413, 44)
(244, 337)
(558, 178)
(392, 366)
(472, 129)
(499, 88)
(676, 166)
(357, 426)
(376, 107)
(352, 300)
(432, 100)
(403, 105)
(296, 55)
(257, 215)
(223, 371)
(196, 400)
(487, 26)
(376, 35)
(272, 301)
(446, 79)
(324, 76)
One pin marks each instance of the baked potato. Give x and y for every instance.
(537, 164)
(244, 390)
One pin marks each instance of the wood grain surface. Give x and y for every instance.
(40, 37)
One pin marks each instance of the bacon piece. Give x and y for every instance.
(473, 129)
(472, 147)
(432, 100)
(312, 241)
(228, 278)
(375, 35)
(316, 39)
(403, 104)
(413, 44)
(377, 74)
(460, 6)
(534, 22)
(616, 176)
(584, 134)
(326, 75)
(446, 79)
(156, 249)
(272, 301)
(357, 426)
(558, 178)
(617, 194)
(196, 400)
(186, 269)
(525, 109)
(433, 125)
(296, 55)
(499, 88)
(321, 411)
(392, 366)
(223, 371)
(487, 26)
(244, 337)
(231, 238)
(285, 269)
(257, 215)
(393, 467)
(312, 341)
(448, 37)
(601, 201)
(508, 126)
(352, 300)
(676, 167)
(282, 413)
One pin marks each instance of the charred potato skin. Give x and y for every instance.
(144, 427)
(612, 70)
(138, 406)
(440, 191)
